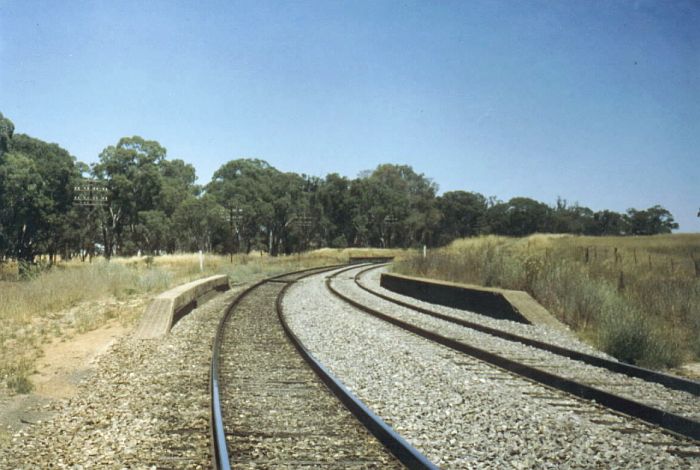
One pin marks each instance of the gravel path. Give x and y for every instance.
(145, 406)
(465, 414)
(653, 394)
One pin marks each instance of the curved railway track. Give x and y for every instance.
(670, 381)
(553, 366)
(270, 404)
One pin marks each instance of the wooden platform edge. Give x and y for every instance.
(167, 308)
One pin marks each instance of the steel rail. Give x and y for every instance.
(398, 446)
(220, 457)
(667, 380)
(672, 422)
(401, 449)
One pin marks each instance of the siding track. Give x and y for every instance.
(670, 381)
(672, 410)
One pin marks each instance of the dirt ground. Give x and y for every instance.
(59, 371)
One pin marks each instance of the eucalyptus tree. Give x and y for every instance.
(7, 128)
(462, 215)
(571, 218)
(132, 175)
(290, 213)
(178, 182)
(36, 181)
(244, 188)
(395, 207)
(335, 200)
(198, 221)
(608, 222)
(652, 221)
(519, 216)
(262, 204)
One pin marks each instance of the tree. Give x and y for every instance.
(244, 188)
(133, 177)
(462, 215)
(652, 221)
(155, 231)
(36, 180)
(197, 220)
(7, 128)
(177, 184)
(518, 217)
(574, 218)
(289, 204)
(609, 223)
(336, 204)
(24, 209)
(394, 206)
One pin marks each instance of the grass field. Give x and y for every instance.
(75, 297)
(637, 298)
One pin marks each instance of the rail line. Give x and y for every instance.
(268, 406)
(670, 381)
(670, 421)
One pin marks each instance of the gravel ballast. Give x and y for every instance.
(145, 406)
(465, 414)
(567, 339)
(653, 394)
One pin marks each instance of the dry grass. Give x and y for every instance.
(75, 297)
(637, 298)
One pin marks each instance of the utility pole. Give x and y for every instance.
(389, 221)
(305, 222)
(235, 218)
(92, 194)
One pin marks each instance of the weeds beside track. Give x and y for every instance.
(636, 298)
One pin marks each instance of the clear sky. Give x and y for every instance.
(594, 101)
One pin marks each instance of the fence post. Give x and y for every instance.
(621, 282)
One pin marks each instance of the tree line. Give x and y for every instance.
(153, 205)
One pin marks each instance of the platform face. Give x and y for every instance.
(493, 302)
(162, 312)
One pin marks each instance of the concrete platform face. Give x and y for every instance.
(168, 307)
(502, 304)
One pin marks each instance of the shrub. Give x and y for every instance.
(627, 334)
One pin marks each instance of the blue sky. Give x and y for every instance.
(594, 101)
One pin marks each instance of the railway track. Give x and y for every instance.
(668, 408)
(271, 404)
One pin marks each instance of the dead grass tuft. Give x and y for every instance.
(76, 297)
(637, 298)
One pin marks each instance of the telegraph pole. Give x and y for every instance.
(235, 219)
(389, 221)
(92, 194)
(305, 222)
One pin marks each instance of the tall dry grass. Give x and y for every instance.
(75, 297)
(637, 298)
